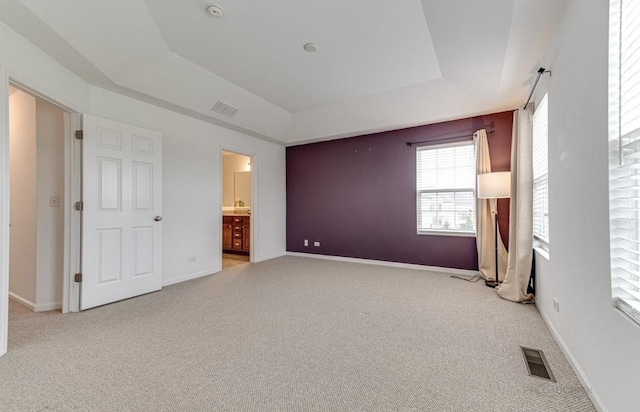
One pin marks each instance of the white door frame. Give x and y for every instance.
(4, 210)
(71, 218)
(253, 233)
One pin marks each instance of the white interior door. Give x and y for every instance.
(121, 221)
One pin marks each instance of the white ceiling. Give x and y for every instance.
(379, 65)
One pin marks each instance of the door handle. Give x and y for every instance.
(157, 218)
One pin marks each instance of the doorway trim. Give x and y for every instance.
(4, 209)
(72, 218)
(71, 194)
(254, 199)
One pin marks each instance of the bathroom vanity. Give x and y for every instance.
(236, 233)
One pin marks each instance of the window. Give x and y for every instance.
(446, 188)
(624, 150)
(541, 175)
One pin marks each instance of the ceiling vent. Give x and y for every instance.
(224, 109)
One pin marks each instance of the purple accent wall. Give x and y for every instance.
(357, 196)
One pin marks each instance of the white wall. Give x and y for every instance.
(599, 339)
(231, 164)
(23, 189)
(191, 172)
(191, 169)
(30, 66)
(50, 226)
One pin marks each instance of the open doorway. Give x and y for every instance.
(37, 193)
(237, 203)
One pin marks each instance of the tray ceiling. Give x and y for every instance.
(379, 65)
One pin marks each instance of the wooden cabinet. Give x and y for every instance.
(227, 232)
(246, 234)
(236, 234)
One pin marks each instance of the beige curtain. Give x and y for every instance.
(485, 208)
(515, 284)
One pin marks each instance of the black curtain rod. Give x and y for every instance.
(541, 71)
(444, 139)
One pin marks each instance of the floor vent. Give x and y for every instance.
(224, 109)
(537, 364)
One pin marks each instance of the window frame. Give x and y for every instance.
(473, 191)
(539, 240)
(624, 166)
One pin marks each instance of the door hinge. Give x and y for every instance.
(78, 278)
(79, 206)
(79, 135)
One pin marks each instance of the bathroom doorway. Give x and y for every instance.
(237, 207)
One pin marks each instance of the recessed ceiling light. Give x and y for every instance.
(215, 10)
(310, 47)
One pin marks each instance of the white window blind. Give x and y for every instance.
(624, 146)
(446, 197)
(541, 174)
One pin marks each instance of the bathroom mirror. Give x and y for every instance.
(242, 187)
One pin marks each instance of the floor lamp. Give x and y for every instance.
(494, 185)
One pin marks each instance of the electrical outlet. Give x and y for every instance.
(306, 242)
(193, 259)
(54, 201)
(316, 243)
(556, 305)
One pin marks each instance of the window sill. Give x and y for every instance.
(446, 233)
(542, 252)
(626, 317)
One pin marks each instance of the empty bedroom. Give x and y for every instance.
(321, 206)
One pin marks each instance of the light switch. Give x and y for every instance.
(54, 201)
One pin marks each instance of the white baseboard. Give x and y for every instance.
(44, 307)
(191, 276)
(584, 381)
(22, 301)
(464, 272)
(41, 307)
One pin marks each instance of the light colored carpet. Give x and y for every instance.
(290, 334)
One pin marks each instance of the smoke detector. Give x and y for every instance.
(310, 47)
(215, 10)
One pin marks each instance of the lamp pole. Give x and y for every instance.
(495, 239)
(494, 185)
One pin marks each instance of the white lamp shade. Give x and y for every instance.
(494, 185)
